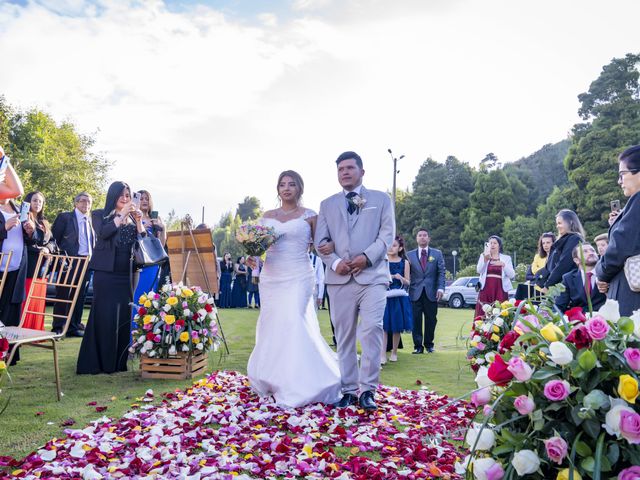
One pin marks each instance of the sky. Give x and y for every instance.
(206, 102)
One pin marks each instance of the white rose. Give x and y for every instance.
(498, 322)
(480, 467)
(525, 462)
(166, 307)
(210, 300)
(560, 353)
(155, 304)
(476, 338)
(202, 313)
(185, 347)
(610, 310)
(485, 438)
(200, 346)
(482, 379)
(636, 321)
(496, 311)
(461, 467)
(187, 312)
(480, 361)
(152, 353)
(166, 288)
(612, 418)
(490, 357)
(172, 350)
(148, 345)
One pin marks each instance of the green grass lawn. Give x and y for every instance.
(33, 390)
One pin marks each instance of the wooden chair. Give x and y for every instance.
(5, 258)
(63, 272)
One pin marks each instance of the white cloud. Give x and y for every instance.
(202, 109)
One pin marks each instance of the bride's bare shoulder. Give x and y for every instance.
(270, 214)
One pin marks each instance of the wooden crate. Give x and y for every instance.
(180, 366)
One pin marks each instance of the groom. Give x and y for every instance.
(361, 225)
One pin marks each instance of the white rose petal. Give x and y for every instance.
(480, 467)
(90, 474)
(77, 451)
(610, 310)
(612, 418)
(47, 455)
(636, 322)
(525, 462)
(484, 437)
(172, 350)
(482, 378)
(498, 322)
(560, 353)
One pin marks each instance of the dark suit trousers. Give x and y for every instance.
(424, 308)
(61, 308)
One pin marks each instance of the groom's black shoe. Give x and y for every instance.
(418, 350)
(367, 401)
(346, 400)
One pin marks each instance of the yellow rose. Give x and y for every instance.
(564, 475)
(495, 338)
(2, 365)
(474, 344)
(505, 304)
(628, 388)
(187, 293)
(142, 299)
(146, 320)
(184, 337)
(169, 319)
(196, 340)
(496, 329)
(172, 301)
(147, 304)
(504, 313)
(551, 333)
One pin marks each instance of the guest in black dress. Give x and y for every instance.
(226, 272)
(239, 289)
(106, 337)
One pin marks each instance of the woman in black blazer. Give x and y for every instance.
(13, 238)
(107, 335)
(570, 234)
(624, 236)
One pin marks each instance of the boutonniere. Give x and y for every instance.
(431, 259)
(358, 202)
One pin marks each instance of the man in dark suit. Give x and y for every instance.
(75, 236)
(426, 290)
(578, 283)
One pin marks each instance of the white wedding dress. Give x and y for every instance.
(291, 361)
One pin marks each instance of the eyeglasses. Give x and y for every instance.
(622, 173)
(84, 200)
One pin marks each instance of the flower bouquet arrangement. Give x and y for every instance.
(256, 239)
(175, 319)
(561, 402)
(4, 374)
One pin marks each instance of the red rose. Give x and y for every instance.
(4, 345)
(142, 311)
(180, 322)
(508, 340)
(580, 337)
(208, 308)
(576, 313)
(498, 372)
(517, 302)
(150, 336)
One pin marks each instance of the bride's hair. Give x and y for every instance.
(296, 177)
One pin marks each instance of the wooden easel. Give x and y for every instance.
(182, 246)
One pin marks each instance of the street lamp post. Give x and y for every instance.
(395, 171)
(454, 253)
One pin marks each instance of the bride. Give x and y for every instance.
(291, 361)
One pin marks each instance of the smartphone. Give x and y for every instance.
(153, 215)
(24, 211)
(136, 199)
(487, 249)
(615, 205)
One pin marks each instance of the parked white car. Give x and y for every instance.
(462, 293)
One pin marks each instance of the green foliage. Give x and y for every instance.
(249, 209)
(440, 194)
(611, 110)
(43, 150)
(521, 272)
(520, 237)
(468, 271)
(224, 235)
(559, 199)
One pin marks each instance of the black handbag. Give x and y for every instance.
(147, 250)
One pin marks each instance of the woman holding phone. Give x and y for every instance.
(496, 272)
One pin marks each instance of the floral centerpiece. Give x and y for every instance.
(562, 401)
(175, 319)
(256, 239)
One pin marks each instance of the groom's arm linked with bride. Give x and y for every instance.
(361, 225)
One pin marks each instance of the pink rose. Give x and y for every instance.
(481, 397)
(157, 338)
(556, 449)
(630, 426)
(524, 405)
(495, 472)
(631, 473)
(531, 319)
(520, 369)
(597, 327)
(487, 411)
(633, 358)
(557, 390)
(480, 346)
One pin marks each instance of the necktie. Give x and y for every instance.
(587, 285)
(351, 207)
(87, 234)
(423, 259)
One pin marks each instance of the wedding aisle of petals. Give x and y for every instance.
(219, 429)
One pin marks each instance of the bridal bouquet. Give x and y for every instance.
(175, 319)
(561, 401)
(256, 239)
